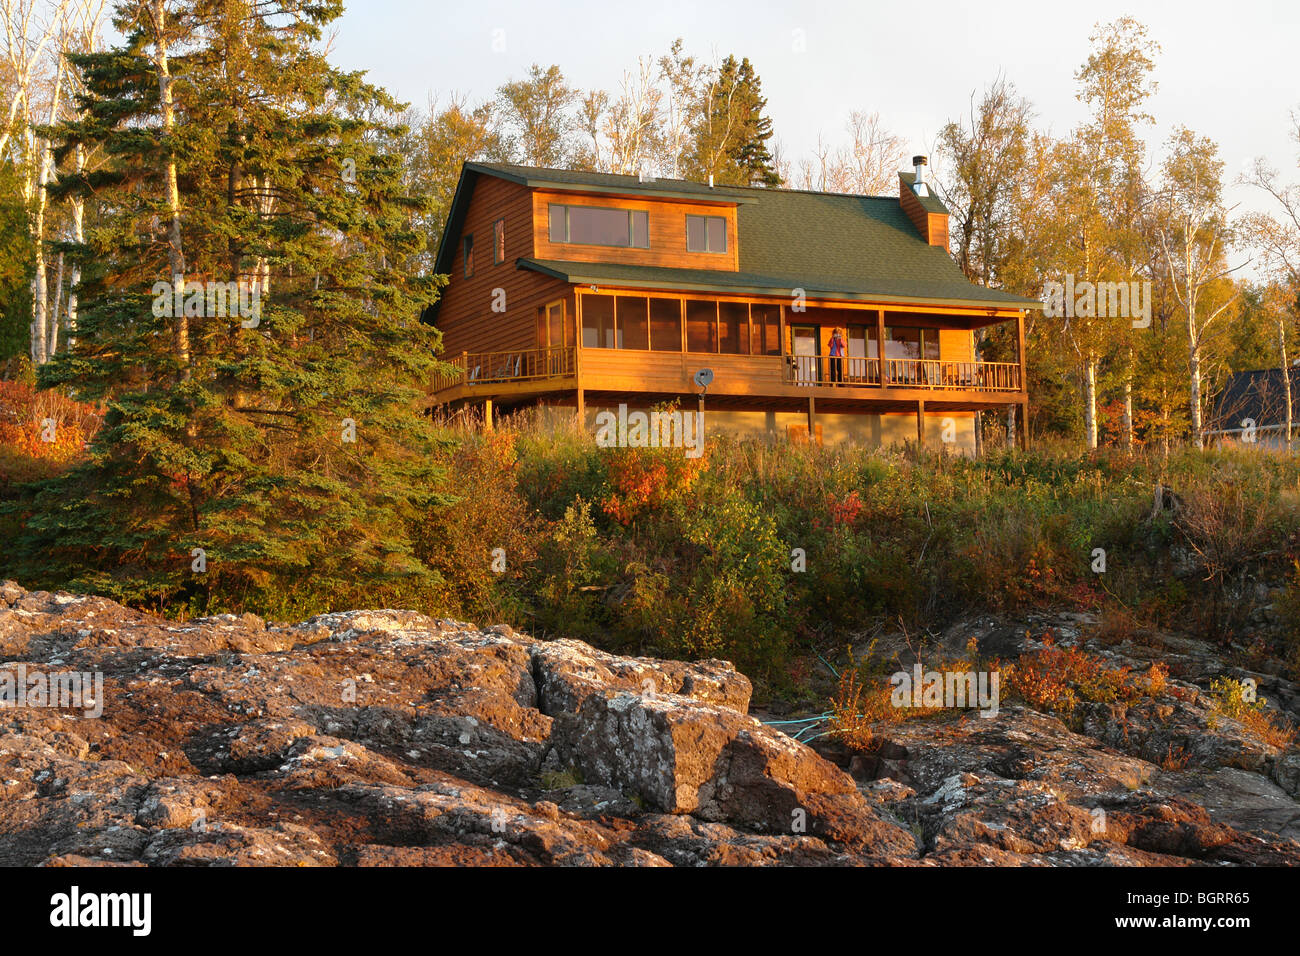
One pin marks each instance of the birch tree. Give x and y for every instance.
(537, 114)
(867, 165)
(1194, 237)
(633, 125)
(36, 44)
(152, 16)
(85, 36)
(1097, 168)
(1277, 239)
(33, 31)
(681, 77)
(29, 32)
(44, 325)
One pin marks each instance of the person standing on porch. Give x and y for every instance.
(837, 357)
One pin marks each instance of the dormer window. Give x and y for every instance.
(600, 226)
(706, 234)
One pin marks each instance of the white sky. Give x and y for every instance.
(1228, 71)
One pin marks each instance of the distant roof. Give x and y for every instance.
(835, 245)
(1258, 395)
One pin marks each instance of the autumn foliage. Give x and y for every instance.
(41, 432)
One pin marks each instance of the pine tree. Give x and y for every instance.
(270, 442)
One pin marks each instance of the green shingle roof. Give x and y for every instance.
(828, 244)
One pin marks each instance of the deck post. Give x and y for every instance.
(464, 368)
(920, 425)
(487, 414)
(581, 410)
(699, 434)
(880, 344)
(785, 361)
(1022, 423)
(812, 419)
(1022, 384)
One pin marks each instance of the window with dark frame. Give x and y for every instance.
(862, 353)
(706, 234)
(468, 245)
(498, 242)
(903, 342)
(599, 226)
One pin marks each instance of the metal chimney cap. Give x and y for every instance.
(919, 161)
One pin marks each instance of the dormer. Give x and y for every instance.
(923, 207)
(651, 227)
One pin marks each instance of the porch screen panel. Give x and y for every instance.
(765, 321)
(598, 321)
(733, 328)
(633, 322)
(701, 326)
(666, 325)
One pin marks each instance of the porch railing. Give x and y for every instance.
(487, 369)
(518, 365)
(903, 373)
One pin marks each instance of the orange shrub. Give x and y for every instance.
(41, 432)
(644, 479)
(1054, 679)
(856, 707)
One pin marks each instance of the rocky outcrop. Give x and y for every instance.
(375, 738)
(1163, 780)
(386, 737)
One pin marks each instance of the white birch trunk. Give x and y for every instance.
(1090, 401)
(175, 252)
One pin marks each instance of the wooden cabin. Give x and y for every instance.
(582, 292)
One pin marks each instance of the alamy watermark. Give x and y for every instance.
(21, 686)
(656, 429)
(957, 690)
(73, 909)
(1101, 300)
(209, 300)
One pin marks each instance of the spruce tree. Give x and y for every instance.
(751, 155)
(268, 448)
(730, 132)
